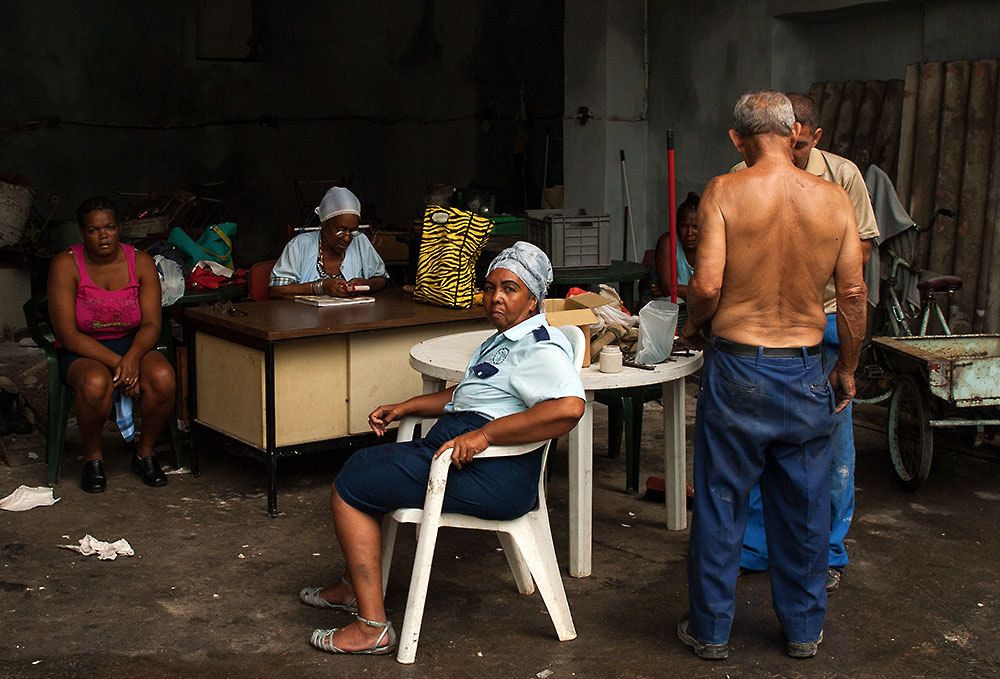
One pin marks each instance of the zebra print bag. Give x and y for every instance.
(451, 243)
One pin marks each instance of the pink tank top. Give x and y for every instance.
(107, 314)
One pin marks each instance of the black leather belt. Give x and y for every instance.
(772, 352)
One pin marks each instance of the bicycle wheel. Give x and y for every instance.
(872, 382)
(911, 441)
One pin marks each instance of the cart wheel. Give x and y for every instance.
(911, 441)
(873, 383)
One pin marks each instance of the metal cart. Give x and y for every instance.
(939, 381)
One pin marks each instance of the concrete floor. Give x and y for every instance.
(212, 588)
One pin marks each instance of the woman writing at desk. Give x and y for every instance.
(520, 386)
(338, 260)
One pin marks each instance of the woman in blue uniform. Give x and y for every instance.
(520, 386)
(337, 260)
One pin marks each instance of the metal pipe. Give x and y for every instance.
(963, 423)
(672, 207)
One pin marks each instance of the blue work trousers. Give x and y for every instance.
(765, 419)
(754, 554)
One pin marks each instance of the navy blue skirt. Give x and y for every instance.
(120, 346)
(392, 476)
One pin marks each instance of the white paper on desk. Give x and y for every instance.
(105, 551)
(26, 497)
(215, 267)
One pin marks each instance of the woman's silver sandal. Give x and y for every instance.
(310, 597)
(323, 639)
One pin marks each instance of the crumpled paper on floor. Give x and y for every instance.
(26, 497)
(105, 551)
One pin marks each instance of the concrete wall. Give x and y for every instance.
(705, 54)
(357, 91)
(605, 72)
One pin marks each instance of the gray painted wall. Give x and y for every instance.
(366, 106)
(705, 54)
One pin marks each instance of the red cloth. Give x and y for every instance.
(204, 279)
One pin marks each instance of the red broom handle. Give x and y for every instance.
(672, 208)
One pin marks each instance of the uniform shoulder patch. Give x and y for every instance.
(541, 333)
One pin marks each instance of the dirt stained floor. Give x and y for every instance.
(211, 590)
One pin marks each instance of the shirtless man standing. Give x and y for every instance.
(770, 238)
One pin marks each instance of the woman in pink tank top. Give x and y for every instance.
(104, 304)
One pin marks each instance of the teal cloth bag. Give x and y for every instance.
(214, 244)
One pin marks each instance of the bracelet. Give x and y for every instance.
(318, 288)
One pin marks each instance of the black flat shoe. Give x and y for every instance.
(94, 480)
(148, 469)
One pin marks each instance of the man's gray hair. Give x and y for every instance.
(764, 112)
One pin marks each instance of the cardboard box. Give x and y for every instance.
(575, 311)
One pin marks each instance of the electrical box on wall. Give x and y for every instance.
(225, 30)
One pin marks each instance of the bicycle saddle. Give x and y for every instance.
(939, 283)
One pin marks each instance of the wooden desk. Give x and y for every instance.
(286, 377)
(444, 359)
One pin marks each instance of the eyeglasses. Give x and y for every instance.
(228, 308)
(343, 232)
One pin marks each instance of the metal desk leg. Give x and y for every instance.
(581, 491)
(271, 436)
(675, 454)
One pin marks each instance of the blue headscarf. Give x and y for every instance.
(529, 264)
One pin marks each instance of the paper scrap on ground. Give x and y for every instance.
(26, 497)
(105, 551)
(179, 470)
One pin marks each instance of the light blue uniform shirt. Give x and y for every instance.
(300, 259)
(516, 370)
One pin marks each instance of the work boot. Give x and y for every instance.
(703, 650)
(795, 649)
(833, 576)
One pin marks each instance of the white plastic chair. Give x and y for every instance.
(526, 541)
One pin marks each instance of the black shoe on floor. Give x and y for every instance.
(148, 469)
(94, 480)
(807, 650)
(833, 576)
(701, 649)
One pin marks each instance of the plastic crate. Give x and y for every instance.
(571, 238)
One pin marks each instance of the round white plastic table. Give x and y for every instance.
(444, 359)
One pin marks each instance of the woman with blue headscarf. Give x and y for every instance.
(520, 386)
(338, 260)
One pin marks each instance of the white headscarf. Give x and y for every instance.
(529, 264)
(338, 201)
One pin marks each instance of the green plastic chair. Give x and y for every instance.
(36, 314)
(625, 412)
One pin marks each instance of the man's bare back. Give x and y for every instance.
(784, 232)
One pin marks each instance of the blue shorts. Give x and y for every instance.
(392, 476)
(66, 358)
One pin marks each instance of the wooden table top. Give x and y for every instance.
(282, 319)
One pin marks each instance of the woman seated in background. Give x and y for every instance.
(687, 245)
(521, 385)
(337, 260)
(104, 305)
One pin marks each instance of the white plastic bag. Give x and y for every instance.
(171, 280)
(657, 325)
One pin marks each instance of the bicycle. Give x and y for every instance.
(890, 317)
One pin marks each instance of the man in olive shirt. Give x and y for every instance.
(843, 172)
